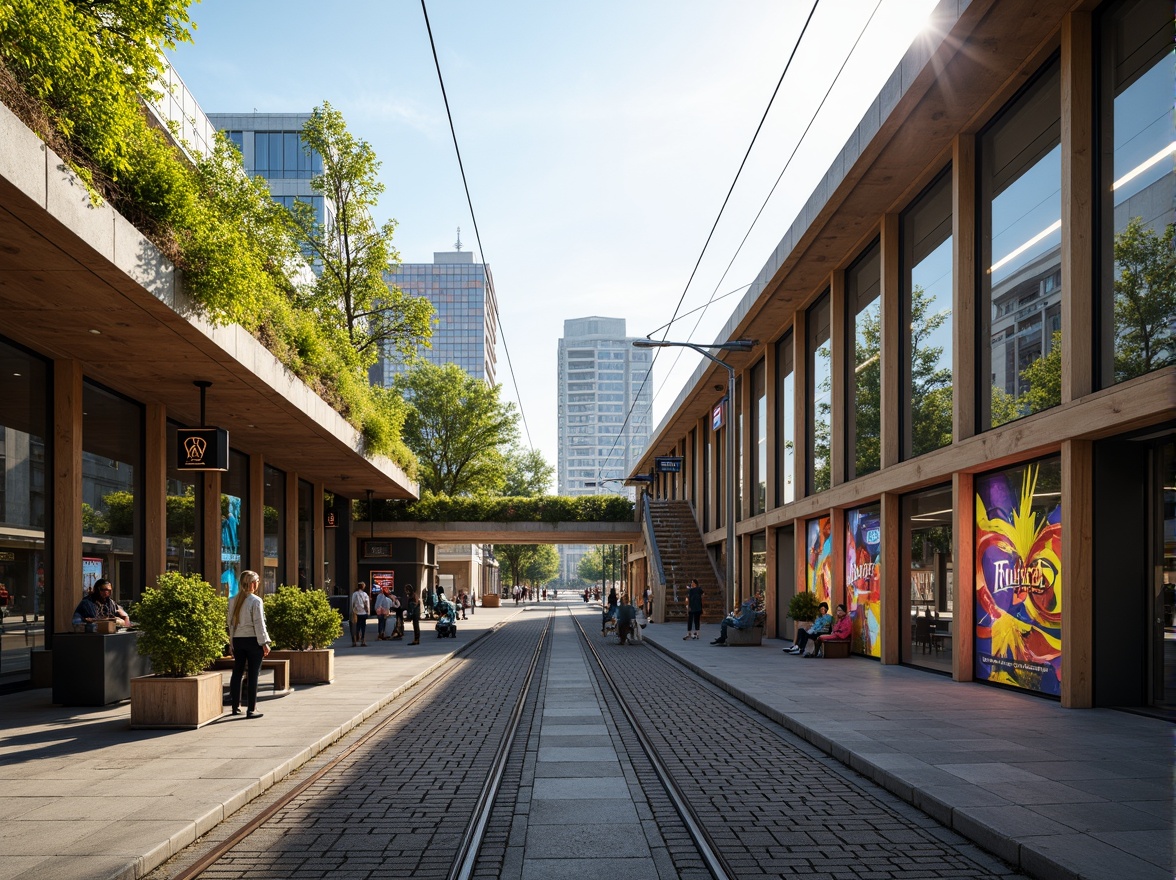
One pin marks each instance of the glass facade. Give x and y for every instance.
(1019, 162)
(1137, 139)
(282, 154)
(926, 610)
(183, 524)
(759, 433)
(305, 534)
(863, 338)
(819, 395)
(785, 422)
(926, 320)
(274, 530)
(234, 523)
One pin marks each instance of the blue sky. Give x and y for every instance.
(599, 140)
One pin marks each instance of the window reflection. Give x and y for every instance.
(863, 286)
(759, 461)
(182, 524)
(1020, 163)
(820, 387)
(274, 530)
(234, 522)
(785, 418)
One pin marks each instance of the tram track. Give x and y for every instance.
(464, 846)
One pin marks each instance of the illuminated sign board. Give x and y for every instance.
(202, 449)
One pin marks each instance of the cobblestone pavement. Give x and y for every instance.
(399, 806)
(774, 805)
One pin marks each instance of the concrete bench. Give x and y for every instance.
(280, 668)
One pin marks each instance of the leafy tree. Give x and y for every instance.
(352, 253)
(1145, 299)
(528, 473)
(457, 427)
(517, 558)
(602, 563)
(543, 565)
(1044, 377)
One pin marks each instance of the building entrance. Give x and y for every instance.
(1163, 554)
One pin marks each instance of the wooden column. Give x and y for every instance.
(891, 579)
(771, 388)
(256, 524)
(837, 588)
(67, 492)
(1077, 207)
(800, 556)
(839, 396)
(800, 404)
(771, 587)
(155, 493)
(210, 528)
(1077, 574)
(963, 555)
(891, 354)
(318, 573)
(964, 357)
(290, 526)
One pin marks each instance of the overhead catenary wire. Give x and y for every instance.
(477, 233)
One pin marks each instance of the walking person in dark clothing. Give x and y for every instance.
(693, 610)
(413, 613)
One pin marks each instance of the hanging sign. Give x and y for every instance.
(668, 464)
(202, 449)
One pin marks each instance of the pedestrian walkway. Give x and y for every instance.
(1061, 793)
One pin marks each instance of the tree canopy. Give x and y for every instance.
(1145, 299)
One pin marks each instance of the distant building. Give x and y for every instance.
(604, 410)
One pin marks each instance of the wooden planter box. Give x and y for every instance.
(161, 702)
(490, 600)
(309, 667)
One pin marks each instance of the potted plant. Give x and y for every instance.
(302, 624)
(802, 608)
(182, 630)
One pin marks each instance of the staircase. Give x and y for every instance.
(683, 557)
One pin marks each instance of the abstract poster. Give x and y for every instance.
(1019, 577)
(863, 546)
(820, 558)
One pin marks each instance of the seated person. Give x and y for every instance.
(99, 605)
(626, 618)
(822, 625)
(842, 629)
(743, 620)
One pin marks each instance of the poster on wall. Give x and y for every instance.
(863, 546)
(819, 533)
(1019, 577)
(91, 572)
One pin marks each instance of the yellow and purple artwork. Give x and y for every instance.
(863, 546)
(820, 558)
(1019, 577)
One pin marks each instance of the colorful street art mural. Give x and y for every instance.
(819, 533)
(1019, 577)
(863, 545)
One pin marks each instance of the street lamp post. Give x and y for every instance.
(733, 345)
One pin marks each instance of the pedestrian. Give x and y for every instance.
(413, 612)
(360, 609)
(430, 603)
(383, 611)
(465, 604)
(693, 609)
(648, 603)
(249, 643)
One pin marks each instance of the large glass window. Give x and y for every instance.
(24, 426)
(863, 337)
(274, 530)
(926, 321)
(820, 391)
(759, 431)
(1020, 200)
(112, 509)
(234, 522)
(1137, 291)
(785, 422)
(183, 525)
(305, 534)
(282, 154)
(925, 602)
(759, 563)
(740, 433)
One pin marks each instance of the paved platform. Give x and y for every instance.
(1063, 793)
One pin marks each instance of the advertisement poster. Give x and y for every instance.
(1019, 577)
(820, 558)
(91, 572)
(863, 546)
(381, 580)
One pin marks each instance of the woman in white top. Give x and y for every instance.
(360, 609)
(250, 641)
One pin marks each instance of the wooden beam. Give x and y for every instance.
(891, 579)
(771, 586)
(963, 554)
(963, 296)
(66, 573)
(155, 493)
(210, 528)
(1077, 574)
(1077, 206)
(891, 353)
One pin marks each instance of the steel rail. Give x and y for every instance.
(414, 695)
(716, 864)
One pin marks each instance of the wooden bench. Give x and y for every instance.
(753, 635)
(833, 648)
(281, 670)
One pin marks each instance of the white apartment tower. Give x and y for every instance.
(605, 408)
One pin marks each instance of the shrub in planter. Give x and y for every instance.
(182, 624)
(803, 606)
(301, 620)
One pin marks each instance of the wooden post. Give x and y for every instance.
(963, 306)
(837, 589)
(155, 493)
(66, 573)
(256, 506)
(1077, 574)
(771, 588)
(210, 528)
(963, 553)
(891, 579)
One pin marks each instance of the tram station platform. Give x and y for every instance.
(1061, 793)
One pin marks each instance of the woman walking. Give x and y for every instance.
(360, 608)
(693, 609)
(249, 641)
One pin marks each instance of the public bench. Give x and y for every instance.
(832, 648)
(753, 635)
(280, 668)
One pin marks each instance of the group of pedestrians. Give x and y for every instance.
(388, 605)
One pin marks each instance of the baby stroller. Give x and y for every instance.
(447, 620)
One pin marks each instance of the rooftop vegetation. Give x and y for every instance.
(540, 508)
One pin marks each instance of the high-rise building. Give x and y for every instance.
(605, 407)
(466, 331)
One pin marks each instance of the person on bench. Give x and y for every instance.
(742, 620)
(842, 629)
(822, 625)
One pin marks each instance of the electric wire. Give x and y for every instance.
(477, 234)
